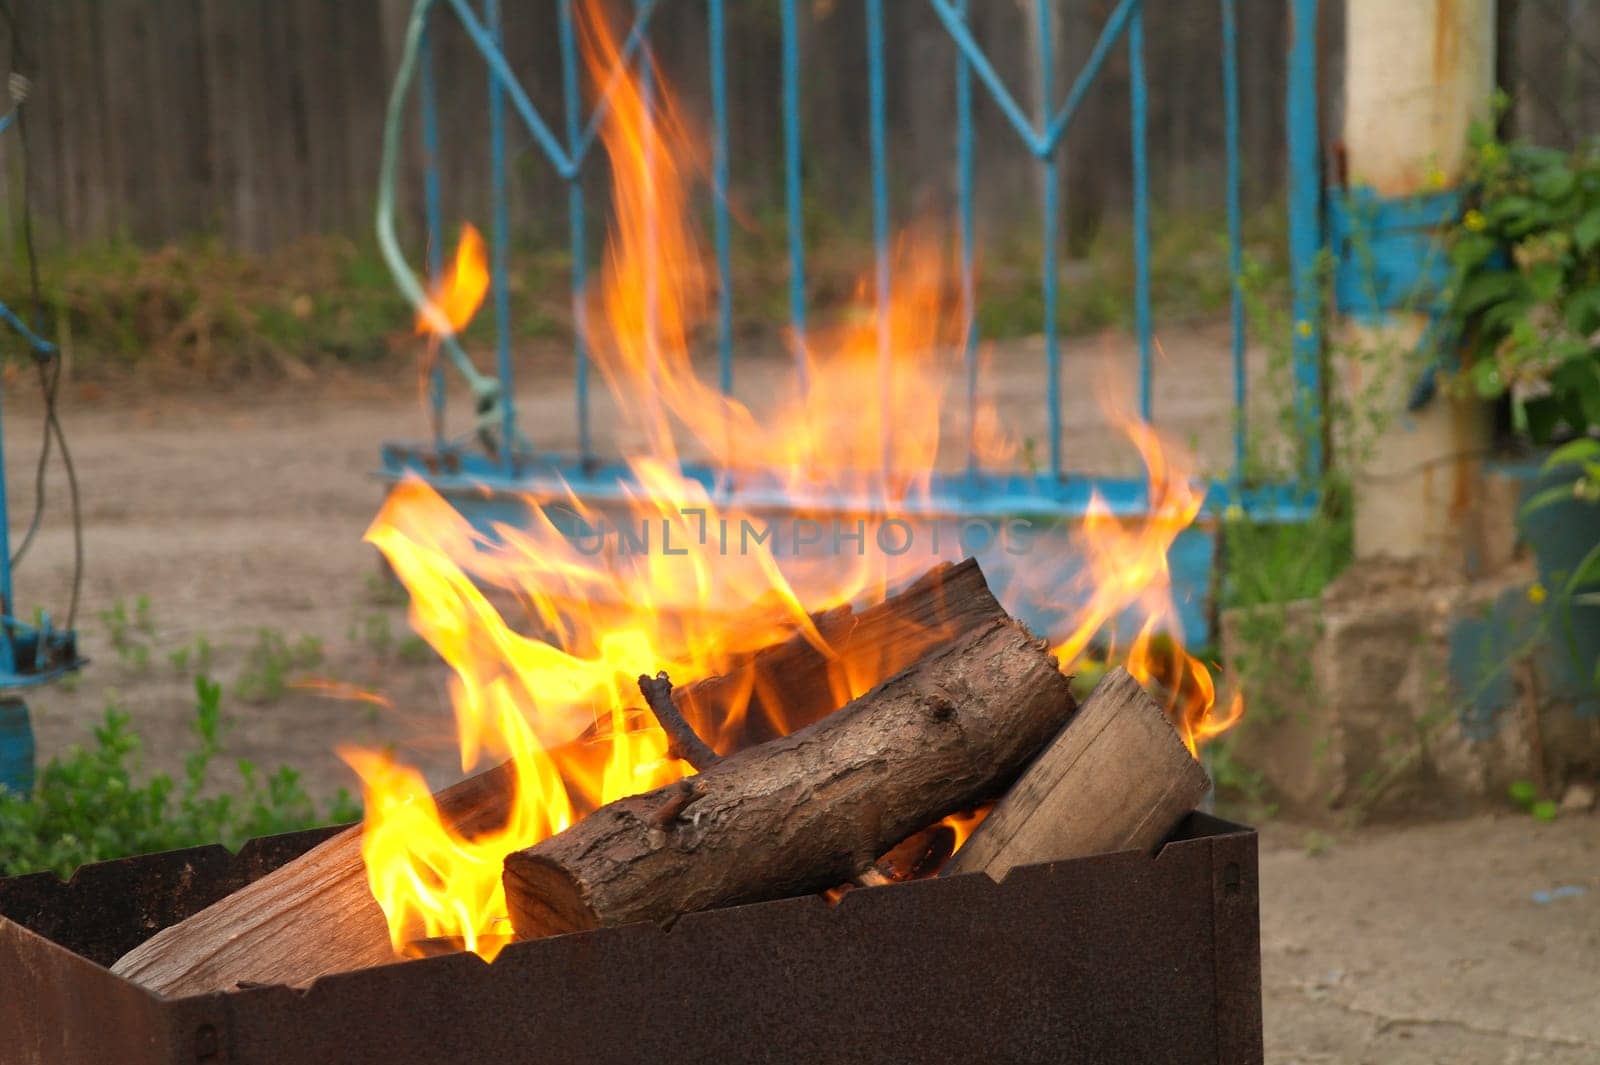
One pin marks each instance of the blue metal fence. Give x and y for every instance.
(1057, 490)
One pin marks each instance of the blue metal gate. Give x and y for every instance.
(483, 480)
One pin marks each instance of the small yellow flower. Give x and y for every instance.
(1438, 178)
(1536, 593)
(1475, 220)
(1233, 512)
(1303, 328)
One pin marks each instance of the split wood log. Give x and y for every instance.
(316, 915)
(789, 685)
(313, 916)
(1117, 778)
(811, 810)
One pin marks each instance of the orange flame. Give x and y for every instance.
(1126, 570)
(546, 624)
(459, 293)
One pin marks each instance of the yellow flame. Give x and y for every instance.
(545, 628)
(459, 293)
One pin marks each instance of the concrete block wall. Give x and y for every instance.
(1400, 691)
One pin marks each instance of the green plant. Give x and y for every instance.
(376, 633)
(415, 651)
(1579, 586)
(1525, 795)
(1317, 843)
(384, 589)
(269, 663)
(91, 805)
(191, 657)
(130, 632)
(1526, 288)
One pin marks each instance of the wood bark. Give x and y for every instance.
(1117, 778)
(811, 810)
(316, 915)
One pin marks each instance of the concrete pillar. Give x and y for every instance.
(1418, 73)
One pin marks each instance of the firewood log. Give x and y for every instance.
(316, 915)
(1117, 778)
(811, 810)
(788, 685)
(312, 916)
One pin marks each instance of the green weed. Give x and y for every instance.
(270, 662)
(90, 805)
(131, 632)
(191, 658)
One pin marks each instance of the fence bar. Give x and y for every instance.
(1091, 69)
(427, 97)
(635, 40)
(719, 195)
(1230, 104)
(968, 46)
(1141, 206)
(964, 194)
(1052, 352)
(576, 228)
(880, 222)
(487, 43)
(1305, 233)
(500, 270)
(791, 186)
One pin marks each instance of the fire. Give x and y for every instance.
(546, 624)
(1126, 571)
(459, 293)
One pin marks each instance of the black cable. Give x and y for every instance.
(48, 364)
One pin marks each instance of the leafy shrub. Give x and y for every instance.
(88, 806)
(1527, 283)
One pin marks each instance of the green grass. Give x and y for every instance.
(93, 803)
(1189, 275)
(1266, 563)
(200, 310)
(270, 664)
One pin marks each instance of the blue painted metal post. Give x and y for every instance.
(880, 225)
(652, 273)
(1051, 225)
(1305, 232)
(791, 185)
(576, 229)
(488, 44)
(1230, 105)
(1141, 207)
(8, 606)
(1091, 68)
(428, 98)
(16, 745)
(968, 46)
(499, 262)
(969, 296)
(719, 194)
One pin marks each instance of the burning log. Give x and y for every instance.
(810, 810)
(313, 916)
(794, 683)
(317, 915)
(1117, 778)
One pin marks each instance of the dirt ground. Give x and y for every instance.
(244, 512)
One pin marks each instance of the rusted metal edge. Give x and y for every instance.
(1111, 958)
